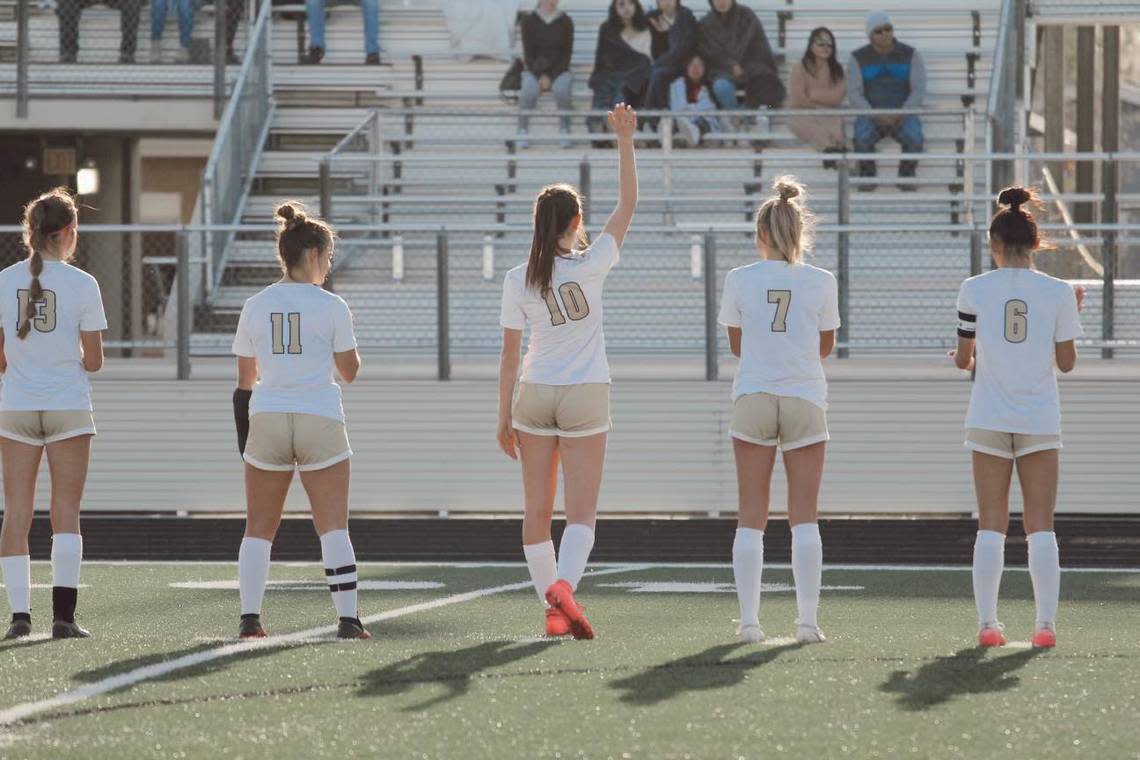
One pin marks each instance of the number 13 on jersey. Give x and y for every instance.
(277, 319)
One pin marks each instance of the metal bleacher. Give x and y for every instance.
(449, 147)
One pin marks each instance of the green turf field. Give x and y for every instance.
(469, 676)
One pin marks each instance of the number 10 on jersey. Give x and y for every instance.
(277, 319)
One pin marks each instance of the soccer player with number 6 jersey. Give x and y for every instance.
(781, 315)
(1015, 327)
(561, 411)
(288, 411)
(51, 323)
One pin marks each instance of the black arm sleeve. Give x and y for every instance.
(241, 416)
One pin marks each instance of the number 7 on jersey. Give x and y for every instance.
(783, 300)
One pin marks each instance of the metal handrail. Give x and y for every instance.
(259, 37)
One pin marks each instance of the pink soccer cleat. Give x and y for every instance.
(991, 635)
(1045, 638)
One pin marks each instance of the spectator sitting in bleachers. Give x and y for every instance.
(69, 11)
(674, 30)
(315, 14)
(548, 42)
(690, 93)
(886, 74)
(732, 42)
(184, 9)
(817, 81)
(622, 60)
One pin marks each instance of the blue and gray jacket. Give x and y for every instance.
(894, 80)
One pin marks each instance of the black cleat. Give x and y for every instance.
(352, 628)
(250, 627)
(62, 629)
(18, 630)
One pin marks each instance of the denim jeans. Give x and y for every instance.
(868, 134)
(184, 9)
(315, 11)
(530, 92)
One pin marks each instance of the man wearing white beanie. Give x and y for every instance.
(886, 74)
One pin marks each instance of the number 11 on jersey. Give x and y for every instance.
(277, 319)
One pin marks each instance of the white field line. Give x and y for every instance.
(147, 672)
(638, 565)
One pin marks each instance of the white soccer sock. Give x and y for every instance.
(543, 569)
(18, 582)
(989, 559)
(574, 552)
(807, 569)
(1045, 572)
(253, 572)
(340, 571)
(747, 566)
(66, 556)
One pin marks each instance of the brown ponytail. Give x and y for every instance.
(554, 210)
(44, 219)
(298, 232)
(1014, 225)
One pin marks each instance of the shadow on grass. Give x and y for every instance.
(453, 670)
(698, 672)
(9, 645)
(967, 671)
(190, 670)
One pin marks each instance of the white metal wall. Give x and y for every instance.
(427, 446)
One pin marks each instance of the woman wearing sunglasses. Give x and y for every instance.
(817, 81)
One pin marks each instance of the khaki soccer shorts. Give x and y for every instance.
(766, 419)
(1008, 445)
(567, 411)
(39, 428)
(281, 441)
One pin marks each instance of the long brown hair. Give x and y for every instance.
(298, 232)
(1014, 224)
(44, 219)
(784, 220)
(554, 210)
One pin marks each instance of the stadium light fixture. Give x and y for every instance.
(87, 178)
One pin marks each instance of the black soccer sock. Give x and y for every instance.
(241, 416)
(63, 603)
(21, 616)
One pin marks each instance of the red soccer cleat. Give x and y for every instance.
(557, 624)
(1045, 638)
(561, 597)
(250, 628)
(991, 637)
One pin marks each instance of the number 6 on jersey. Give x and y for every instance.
(277, 319)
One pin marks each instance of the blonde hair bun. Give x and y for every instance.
(788, 188)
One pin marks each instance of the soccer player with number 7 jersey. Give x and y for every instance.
(562, 408)
(781, 315)
(287, 407)
(1020, 324)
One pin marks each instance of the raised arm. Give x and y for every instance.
(623, 121)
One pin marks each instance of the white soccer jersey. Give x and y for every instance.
(294, 329)
(567, 345)
(1017, 316)
(780, 308)
(45, 370)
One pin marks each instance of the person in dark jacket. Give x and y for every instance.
(548, 42)
(886, 74)
(674, 30)
(732, 42)
(622, 60)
